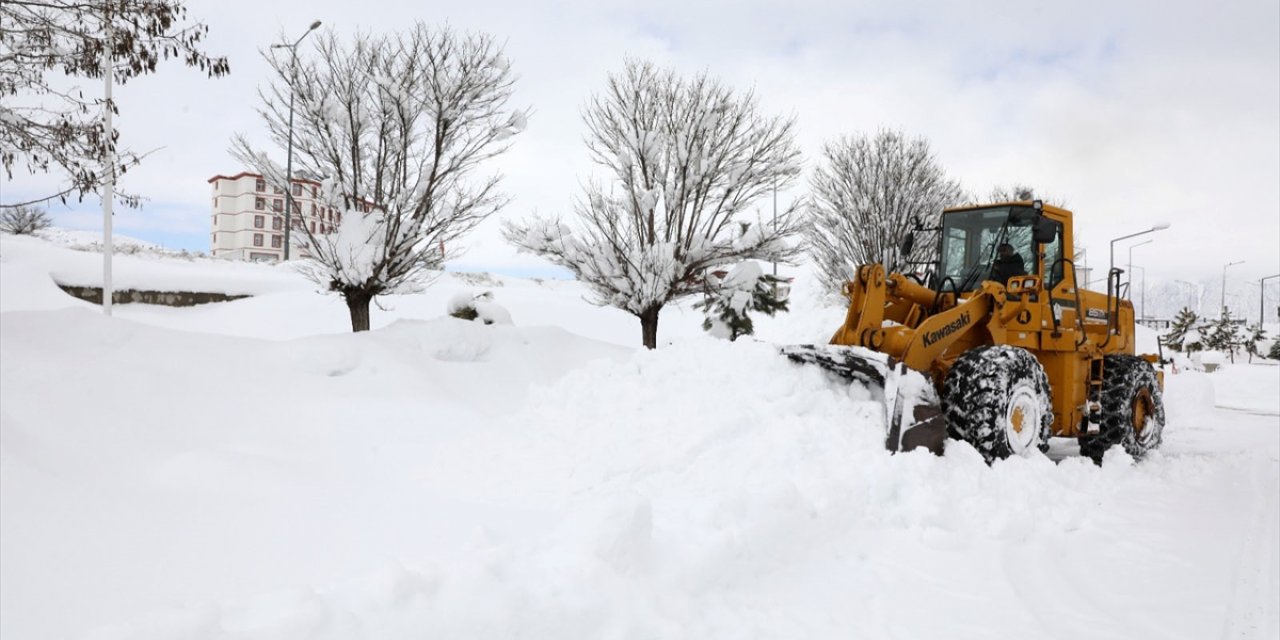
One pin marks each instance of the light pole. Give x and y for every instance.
(109, 165)
(1129, 268)
(288, 170)
(1112, 266)
(1262, 296)
(1142, 304)
(1224, 283)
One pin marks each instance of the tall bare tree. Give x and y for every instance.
(48, 125)
(683, 158)
(397, 126)
(867, 193)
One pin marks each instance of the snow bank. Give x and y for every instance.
(148, 270)
(165, 476)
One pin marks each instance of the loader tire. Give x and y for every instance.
(1132, 409)
(996, 398)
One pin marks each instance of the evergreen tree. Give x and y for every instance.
(1223, 334)
(727, 300)
(1274, 353)
(1255, 334)
(1182, 324)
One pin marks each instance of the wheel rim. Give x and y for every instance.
(1022, 421)
(1141, 410)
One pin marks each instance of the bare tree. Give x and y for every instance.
(396, 126)
(684, 158)
(24, 220)
(1018, 192)
(49, 125)
(866, 195)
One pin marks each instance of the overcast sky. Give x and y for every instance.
(1133, 113)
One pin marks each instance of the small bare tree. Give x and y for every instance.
(866, 195)
(1018, 192)
(48, 125)
(24, 220)
(396, 126)
(684, 158)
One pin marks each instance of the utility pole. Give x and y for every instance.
(109, 165)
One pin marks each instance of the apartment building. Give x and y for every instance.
(248, 216)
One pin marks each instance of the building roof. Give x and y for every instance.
(251, 174)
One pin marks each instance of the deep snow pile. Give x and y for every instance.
(462, 480)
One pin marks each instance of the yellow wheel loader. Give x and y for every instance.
(1014, 350)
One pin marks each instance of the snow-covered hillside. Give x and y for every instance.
(252, 470)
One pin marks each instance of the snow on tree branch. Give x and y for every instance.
(867, 193)
(684, 159)
(397, 127)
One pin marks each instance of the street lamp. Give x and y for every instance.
(1112, 266)
(1262, 295)
(1130, 265)
(1142, 313)
(288, 171)
(1224, 283)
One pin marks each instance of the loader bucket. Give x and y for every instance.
(913, 414)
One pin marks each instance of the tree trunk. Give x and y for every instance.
(358, 304)
(649, 326)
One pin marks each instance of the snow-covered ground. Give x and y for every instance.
(252, 470)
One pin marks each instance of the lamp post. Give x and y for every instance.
(1262, 295)
(288, 171)
(1129, 268)
(1142, 304)
(108, 166)
(1224, 283)
(1112, 266)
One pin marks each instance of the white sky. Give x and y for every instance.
(1132, 112)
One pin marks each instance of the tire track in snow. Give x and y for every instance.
(1253, 611)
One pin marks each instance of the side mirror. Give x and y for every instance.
(1046, 231)
(908, 243)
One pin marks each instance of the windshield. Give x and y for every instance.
(972, 248)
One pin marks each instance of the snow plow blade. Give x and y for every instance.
(913, 414)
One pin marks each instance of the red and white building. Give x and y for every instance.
(248, 216)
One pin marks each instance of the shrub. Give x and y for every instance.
(24, 220)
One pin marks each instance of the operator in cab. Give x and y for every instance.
(1007, 264)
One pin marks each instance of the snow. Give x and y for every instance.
(250, 469)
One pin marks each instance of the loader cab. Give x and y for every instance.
(972, 236)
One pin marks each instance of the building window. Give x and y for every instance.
(257, 239)
(297, 190)
(297, 208)
(314, 192)
(313, 226)
(277, 189)
(260, 204)
(276, 242)
(277, 205)
(259, 222)
(313, 208)
(261, 185)
(275, 223)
